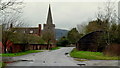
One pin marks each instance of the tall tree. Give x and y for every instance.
(108, 14)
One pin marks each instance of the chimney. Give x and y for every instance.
(39, 30)
(11, 25)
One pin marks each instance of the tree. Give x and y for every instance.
(108, 14)
(32, 39)
(48, 37)
(97, 25)
(8, 6)
(9, 14)
(115, 33)
(73, 35)
(63, 42)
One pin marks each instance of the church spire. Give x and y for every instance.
(49, 17)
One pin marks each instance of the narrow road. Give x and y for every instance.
(47, 58)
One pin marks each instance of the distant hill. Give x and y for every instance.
(60, 33)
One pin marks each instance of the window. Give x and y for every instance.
(31, 31)
(23, 31)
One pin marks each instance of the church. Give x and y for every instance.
(48, 28)
(48, 33)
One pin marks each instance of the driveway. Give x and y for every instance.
(47, 58)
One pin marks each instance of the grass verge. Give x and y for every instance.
(55, 48)
(2, 64)
(91, 55)
(20, 53)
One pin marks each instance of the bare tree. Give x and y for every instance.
(109, 16)
(7, 6)
(81, 28)
(10, 15)
(108, 12)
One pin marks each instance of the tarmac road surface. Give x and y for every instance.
(47, 58)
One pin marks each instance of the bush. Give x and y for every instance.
(112, 50)
(63, 42)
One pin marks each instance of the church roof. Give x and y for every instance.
(49, 17)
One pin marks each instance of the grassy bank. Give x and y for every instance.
(20, 53)
(2, 64)
(91, 55)
(55, 48)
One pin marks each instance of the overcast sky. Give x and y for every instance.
(66, 15)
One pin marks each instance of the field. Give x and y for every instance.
(91, 55)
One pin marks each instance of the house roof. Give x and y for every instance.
(25, 28)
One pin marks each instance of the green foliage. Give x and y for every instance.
(115, 33)
(97, 25)
(35, 39)
(55, 48)
(73, 35)
(2, 65)
(20, 53)
(110, 35)
(26, 38)
(91, 55)
(20, 38)
(48, 37)
(63, 42)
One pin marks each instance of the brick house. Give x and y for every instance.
(19, 47)
(27, 30)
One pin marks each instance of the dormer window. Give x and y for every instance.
(31, 31)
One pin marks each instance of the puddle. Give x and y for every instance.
(27, 60)
(66, 53)
(81, 64)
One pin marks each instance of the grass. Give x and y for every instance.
(20, 53)
(91, 55)
(2, 64)
(55, 48)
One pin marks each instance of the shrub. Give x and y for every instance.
(112, 50)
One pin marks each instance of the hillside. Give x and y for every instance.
(60, 33)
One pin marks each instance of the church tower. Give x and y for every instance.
(49, 28)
